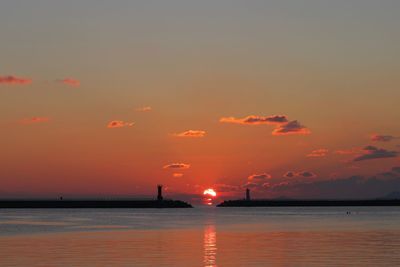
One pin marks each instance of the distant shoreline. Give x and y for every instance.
(309, 203)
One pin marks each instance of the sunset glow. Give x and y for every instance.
(210, 192)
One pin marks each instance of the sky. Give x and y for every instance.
(288, 98)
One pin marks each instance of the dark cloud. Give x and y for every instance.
(382, 138)
(396, 169)
(256, 120)
(289, 174)
(292, 127)
(345, 188)
(307, 174)
(304, 174)
(372, 152)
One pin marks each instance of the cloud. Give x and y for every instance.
(177, 175)
(258, 177)
(394, 172)
(144, 109)
(257, 181)
(177, 166)
(191, 133)
(371, 152)
(35, 120)
(289, 174)
(292, 127)
(71, 82)
(119, 124)
(347, 151)
(307, 174)
(10, 79)
(382, 138)
(354, 187)
(304, 174)
(256, 120)
(317, 153)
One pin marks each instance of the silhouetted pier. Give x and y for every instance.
(61, 203)
(248, 202)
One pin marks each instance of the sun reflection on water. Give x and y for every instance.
(210, 246)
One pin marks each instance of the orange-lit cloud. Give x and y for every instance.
(177, 166)
(177, 175)
(258, 181)
(291, 128)
(35, 120)
(257, 177)
(382, 138)
(191, 133)
(256, 120)
(317, 153)
(371, 152)
(10, 79)
(144, 109)
(70, 82)
(119, 124)
(348, 151)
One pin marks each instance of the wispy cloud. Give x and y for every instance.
(291, 128)
(372, 152)
(119, 124)
(348, 151)
(177, 175)
(256, 120)
(318, 153)
(70, 82)
(258, 181)
(35, 120)
(191, 133)
(144, 109)
(13, 80)
(258, 177)
(304, 174)
(177, 166)
(289, 174)
(382, 138)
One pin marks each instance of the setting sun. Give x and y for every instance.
(210, 192)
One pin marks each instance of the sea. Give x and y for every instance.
(202, 236)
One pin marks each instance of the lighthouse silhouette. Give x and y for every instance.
(159, 192)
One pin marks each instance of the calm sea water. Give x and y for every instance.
(207, 236)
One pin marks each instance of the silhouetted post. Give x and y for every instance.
(159, 195)
(247, 194)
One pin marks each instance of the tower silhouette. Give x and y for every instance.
(159, 192)
(247, 194)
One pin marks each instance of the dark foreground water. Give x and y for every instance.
(368, 236)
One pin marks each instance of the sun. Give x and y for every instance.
(210, 192)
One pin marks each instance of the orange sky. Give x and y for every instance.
(288, 99)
